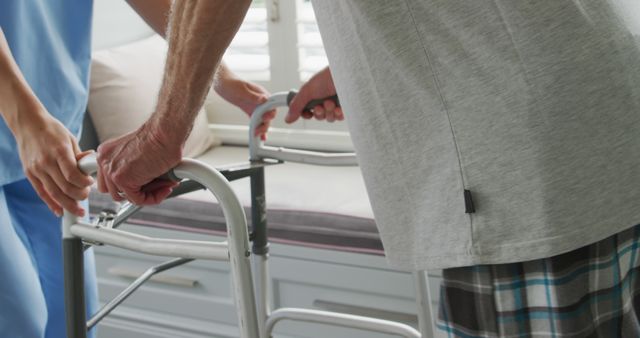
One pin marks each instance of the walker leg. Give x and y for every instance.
(260, 249)
(425, 320)
(74, 287)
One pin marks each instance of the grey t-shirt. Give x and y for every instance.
(532, 106)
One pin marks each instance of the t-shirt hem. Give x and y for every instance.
(507, 253)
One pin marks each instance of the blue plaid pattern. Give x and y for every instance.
(589, 292)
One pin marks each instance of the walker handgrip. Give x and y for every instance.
(313, 103)
(89, 166)
(169, 176)
(258, 151)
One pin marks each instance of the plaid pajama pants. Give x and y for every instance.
(588, 292)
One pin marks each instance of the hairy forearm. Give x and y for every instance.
(156, 15)
(200, 31)
(18, 104)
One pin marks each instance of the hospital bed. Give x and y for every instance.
(255, 317)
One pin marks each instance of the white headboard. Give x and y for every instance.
(115, 23)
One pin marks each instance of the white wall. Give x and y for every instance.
(115, 23)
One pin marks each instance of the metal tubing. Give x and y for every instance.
(308, 157)
(124, 213)
(73, 254)
(258, 151)
(276, 100)
(152, 246)
(260, 247)
(107, 308)
(238, 239)
(263, 290)
(259, 213)
(425, 320)
(340, 319)
(68, 219)
(89, 164)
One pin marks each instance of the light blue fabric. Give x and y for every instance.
(51, 42)
(32, 287)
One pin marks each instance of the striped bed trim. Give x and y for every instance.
(299, 227)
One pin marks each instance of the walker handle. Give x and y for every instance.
(235, 249)
(89, 166)
(259, 151)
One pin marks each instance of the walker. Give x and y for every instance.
(250, 278)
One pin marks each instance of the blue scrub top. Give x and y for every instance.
(51, 43)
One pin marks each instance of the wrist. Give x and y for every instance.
(223, 83)
(19, 107)
(167, 135)
(30, 117)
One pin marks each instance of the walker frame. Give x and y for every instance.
(250, 275)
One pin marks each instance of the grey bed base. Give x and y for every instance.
(249, 265)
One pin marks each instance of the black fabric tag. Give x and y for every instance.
(469, 208)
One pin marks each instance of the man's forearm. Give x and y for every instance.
(200, 32)
(18, 104)
(156, 14)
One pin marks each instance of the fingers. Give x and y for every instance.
(159, 184)
(71, 174)
(329, 107)
(296, 107)
(106, 186)
(58, 181)
(319, 112)
(268, 116)
(326, 111)
(113, 190)
(69, 189)
(60, 197)
(329, 111)
(339, 114)
(102, 185)
(153, 192)
(262, 129)
(154, 197)
(105, 182)
(81, 155)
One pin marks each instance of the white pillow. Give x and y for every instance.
(124, 89)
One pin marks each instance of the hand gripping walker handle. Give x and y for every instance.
(259, 151)
(89, 166)
(313, 103)
(236, 249)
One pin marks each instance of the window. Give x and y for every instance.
(310, 49)
(248, 54)
(278, 46)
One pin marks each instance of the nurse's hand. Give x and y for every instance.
(129, 165)
(49, 155)
(319, 86)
